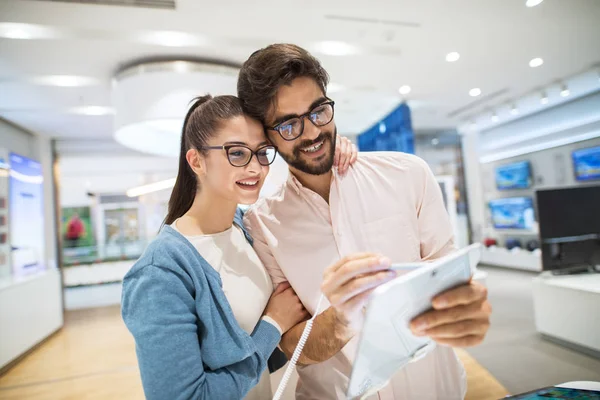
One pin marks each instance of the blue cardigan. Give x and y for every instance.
(188, 342)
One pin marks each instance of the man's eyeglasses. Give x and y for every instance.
(240, 155)
(293, 128)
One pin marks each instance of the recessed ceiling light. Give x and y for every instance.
(536, 62)
(404, 89)
(92, 110)
(514, 110)
(452, 57)
(495, 117)
(172, 39)
(533, 3)
(564, 90)
(435, 141)
(335, 48)
(474, 92)
(544, 98)
(64, 80)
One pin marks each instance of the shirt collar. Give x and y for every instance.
(295, 184)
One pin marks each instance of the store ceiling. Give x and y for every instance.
(396, 43)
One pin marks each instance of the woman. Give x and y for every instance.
(198, 302)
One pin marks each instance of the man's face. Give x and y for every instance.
(313, 151)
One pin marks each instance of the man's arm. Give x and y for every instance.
(328, 336)
(460, 316)
(333, 328)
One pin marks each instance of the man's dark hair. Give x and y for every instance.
(269, 69)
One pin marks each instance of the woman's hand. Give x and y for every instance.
(345, 154)
(285, 308)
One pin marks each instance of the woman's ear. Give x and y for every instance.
(195, 161)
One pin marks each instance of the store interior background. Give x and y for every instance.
(72, 75)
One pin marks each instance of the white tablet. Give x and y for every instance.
(386, 342)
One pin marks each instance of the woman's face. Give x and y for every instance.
(239, 185)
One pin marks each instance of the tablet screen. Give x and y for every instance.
(558, 393)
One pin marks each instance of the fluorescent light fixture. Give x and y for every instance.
(539, 147)
(452, 57)
(564, 91)
(151, 188)
(514, 110)
(533, 3)
(35, 179)
(404, 90)
(536, 62)
(474, 92)
(334, 87)
(11, 30)
(92, 110)
(544, 98)
(172, 39)
(335, 48)
(495, 117)
(64, 80)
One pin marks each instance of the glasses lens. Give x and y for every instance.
(266, 155)
(239, 156)
(290, 129)
(322, 115)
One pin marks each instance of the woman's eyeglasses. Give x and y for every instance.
(239, 155)
(293, 128)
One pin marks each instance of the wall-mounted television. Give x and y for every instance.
(513, 213)
(586, 163)
(514, 176)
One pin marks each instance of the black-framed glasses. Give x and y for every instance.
(294, 128)
(239, 155)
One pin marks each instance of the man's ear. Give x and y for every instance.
(195, 161)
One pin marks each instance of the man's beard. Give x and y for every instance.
(296, 161)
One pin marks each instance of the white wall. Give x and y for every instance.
(31, 307)
(543, 137)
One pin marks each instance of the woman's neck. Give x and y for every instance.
(207, 215)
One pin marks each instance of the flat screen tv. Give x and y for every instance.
(512, 213)
(514, 176)
(586, 163)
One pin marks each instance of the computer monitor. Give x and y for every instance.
(512, 213)
(586, 163)
(514, 176)
(569, 222)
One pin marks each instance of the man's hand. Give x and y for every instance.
(348, 283)
(460, 317)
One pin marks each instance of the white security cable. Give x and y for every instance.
(292, 365)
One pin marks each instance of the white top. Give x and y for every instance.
(246, 284)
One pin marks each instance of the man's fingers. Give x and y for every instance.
(348, 149)
(351, 269)
(456, 330)
(433, 318)
(356, 256)
(354, 154)
(360, 285)
(464, 294)
(466, 341)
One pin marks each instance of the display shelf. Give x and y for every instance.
(30, 311)
(516, 258)
(565, 307)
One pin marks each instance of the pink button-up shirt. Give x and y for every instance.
(388, 203)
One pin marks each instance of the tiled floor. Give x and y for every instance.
(93, 358)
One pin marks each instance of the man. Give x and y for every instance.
(387, 204)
